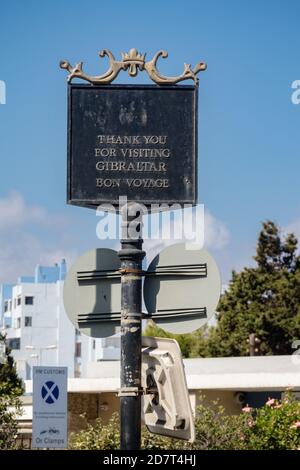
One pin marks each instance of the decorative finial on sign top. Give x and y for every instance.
(133, 62)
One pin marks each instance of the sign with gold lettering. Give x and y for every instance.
(138, 141)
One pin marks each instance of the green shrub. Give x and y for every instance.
(215, 430)
(10, 409)
(275, 426)
(98, 436)
(11, 388)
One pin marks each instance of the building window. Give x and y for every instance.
(28, 300)
(15, 303)
(14, 343)
(19, 322)
(28, 321)
(6, 306)
(19, 301)
(94, 344)
(77, 349)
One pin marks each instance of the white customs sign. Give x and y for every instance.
(50, 413)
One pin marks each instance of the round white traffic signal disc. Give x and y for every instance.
(182, 288)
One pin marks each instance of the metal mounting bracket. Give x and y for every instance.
(130, 392)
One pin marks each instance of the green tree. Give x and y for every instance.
(10, 405)
(264, 300)
(10, 383)
(189, 343)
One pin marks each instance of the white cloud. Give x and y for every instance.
(293, 227)
(29, 235)
(14, 212)
(216, 236)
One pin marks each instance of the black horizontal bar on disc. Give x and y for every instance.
(175, 313)
(98, 317)
(97, 275)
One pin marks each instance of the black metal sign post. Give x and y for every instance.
(131, 255)
(138, 141)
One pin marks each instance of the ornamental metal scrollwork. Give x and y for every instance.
(133, 62)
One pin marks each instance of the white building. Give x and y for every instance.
(38, 330)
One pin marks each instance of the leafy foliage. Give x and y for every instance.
(10, 408)
(275, 426)
(215, 430)
(106, 436)
(10, 405)
(264, 300)
(188, 343)
(98, 436)
(10, 383)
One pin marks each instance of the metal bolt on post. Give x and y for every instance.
(131, 256)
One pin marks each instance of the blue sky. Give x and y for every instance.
(249, 162)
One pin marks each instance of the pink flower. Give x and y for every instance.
(295, 425)
(270, 402)
(247, 409)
